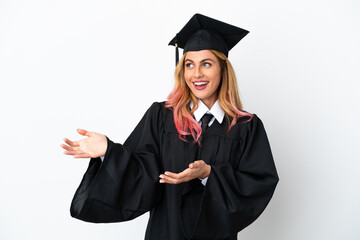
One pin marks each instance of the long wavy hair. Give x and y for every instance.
(181, 96)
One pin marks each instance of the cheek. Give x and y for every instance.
(187, 77)
(217, 79)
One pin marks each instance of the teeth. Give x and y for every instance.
(200, 83)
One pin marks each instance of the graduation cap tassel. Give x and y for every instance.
(176, 54)
(176, 51)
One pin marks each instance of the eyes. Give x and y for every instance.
(190, 65)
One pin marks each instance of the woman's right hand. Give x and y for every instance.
(93, 146)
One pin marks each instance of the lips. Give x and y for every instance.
(200, 85)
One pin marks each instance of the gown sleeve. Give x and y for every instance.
(125, 185)
(235, 194)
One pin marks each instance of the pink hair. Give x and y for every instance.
(181, 96)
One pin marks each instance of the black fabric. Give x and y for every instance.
(205, 121)
(205, 33)
(204, 125)
(126, 184)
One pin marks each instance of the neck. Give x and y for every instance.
(209, 102)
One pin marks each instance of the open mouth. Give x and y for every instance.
(200, 84)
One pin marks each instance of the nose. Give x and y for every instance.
(198, 73)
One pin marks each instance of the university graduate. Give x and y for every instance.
(200, 164)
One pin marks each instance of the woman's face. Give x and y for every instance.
(203, 75)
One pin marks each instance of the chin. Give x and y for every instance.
(199, 96)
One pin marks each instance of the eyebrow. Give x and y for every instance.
(204, 60)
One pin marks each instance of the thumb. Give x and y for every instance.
(194, 164)
(83, 132)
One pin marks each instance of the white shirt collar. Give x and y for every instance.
(215, 110)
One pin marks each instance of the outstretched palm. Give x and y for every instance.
(93, 146)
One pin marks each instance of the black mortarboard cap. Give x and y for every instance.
(205, 33)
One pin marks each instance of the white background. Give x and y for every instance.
(99, 65)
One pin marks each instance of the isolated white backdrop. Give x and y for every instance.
(99, 65)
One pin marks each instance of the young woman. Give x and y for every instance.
(197, 162)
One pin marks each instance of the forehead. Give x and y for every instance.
(200, 55)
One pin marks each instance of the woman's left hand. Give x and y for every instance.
(197, 169)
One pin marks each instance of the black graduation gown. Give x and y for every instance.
(126, 184)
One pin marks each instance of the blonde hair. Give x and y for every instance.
(181, 96)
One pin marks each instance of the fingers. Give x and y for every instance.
(172, 175)
(166, 179)
(173, 178)
(82, 155)
(66, 147)
(82, 132)
(196, 169)
(75, 152)
(73, 147)
(71, 143)
(71, 150)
